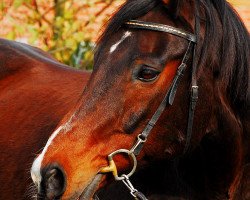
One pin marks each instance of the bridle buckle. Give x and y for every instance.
(138, 145)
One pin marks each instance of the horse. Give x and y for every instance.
(165, 111)
(36, 91)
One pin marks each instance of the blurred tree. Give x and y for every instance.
(65, 28)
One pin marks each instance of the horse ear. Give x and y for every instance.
(165, 1)
(181, 8)
(172, 6)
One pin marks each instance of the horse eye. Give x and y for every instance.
(147, 74)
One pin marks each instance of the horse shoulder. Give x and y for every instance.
(35, 90)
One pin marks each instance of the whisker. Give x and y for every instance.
(31, 192)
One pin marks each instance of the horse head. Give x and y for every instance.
(150, 63)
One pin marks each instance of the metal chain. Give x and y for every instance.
(134, 192)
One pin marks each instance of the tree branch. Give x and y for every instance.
(100, 12)
(38, 12)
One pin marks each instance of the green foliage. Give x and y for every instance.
(83, 56)
(17, 3)
(56, 29)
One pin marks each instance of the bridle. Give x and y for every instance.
(168, 99)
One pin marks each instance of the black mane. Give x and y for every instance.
(234, 50)
(226, 44)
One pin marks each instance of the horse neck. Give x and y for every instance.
(219, 158)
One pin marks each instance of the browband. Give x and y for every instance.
(162, 28)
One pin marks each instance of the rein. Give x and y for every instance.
(167, 100)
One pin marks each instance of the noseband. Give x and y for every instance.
(168, 99)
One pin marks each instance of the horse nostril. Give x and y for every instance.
(53, 181)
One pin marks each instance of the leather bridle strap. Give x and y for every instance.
(161, 28)
(169, 97)
(194, 88)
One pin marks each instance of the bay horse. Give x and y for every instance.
(36, 91)
(170, 93)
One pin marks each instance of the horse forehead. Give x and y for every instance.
(122, 39)
(150, 41)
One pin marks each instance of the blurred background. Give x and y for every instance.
(67, 29)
